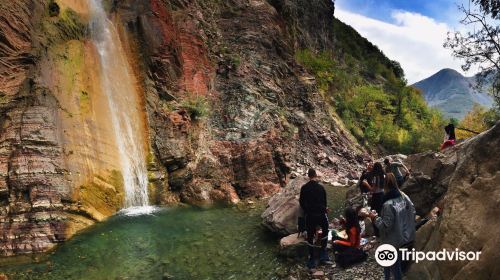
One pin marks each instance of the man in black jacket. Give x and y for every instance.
(313, 202)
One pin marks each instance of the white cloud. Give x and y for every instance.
(415, 40)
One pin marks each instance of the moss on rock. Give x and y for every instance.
(102, 197)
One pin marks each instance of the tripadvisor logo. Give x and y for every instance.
(386, 255)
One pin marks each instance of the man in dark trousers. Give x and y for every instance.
(313, 202)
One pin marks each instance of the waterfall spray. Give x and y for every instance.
(123, 100)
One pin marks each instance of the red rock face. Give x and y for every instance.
(250, 167)
(265, 113)
(177, 47)
(32, 183)
(15, 44)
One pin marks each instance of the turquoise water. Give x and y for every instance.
(186, 243)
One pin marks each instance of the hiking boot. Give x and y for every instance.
(311, 264)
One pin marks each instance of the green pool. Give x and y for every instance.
(178, 243)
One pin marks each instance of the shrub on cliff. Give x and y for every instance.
(197, 106)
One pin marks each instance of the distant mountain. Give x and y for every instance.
(452, 93)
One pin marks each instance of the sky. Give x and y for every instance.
(409, 31)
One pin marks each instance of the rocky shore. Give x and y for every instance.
(367, 270)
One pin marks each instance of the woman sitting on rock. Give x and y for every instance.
(352, 229)
(449, 136)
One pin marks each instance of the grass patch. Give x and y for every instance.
(197, 107)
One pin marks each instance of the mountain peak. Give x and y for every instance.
(452, 93)
(448, 72)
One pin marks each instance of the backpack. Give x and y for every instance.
(350, 256)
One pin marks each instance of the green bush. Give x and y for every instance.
(197, 107)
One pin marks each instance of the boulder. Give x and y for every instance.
(470, 209)
(293, 246)
(431, 175)
(424, 192)
(283, 209)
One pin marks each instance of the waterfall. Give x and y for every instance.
(122, 95)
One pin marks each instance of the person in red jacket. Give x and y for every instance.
(353, 231)
(449, 137)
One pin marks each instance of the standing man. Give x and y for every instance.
(313, 202)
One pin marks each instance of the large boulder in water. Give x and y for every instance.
(283, 209)
(471, 207)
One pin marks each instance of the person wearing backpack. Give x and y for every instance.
(449, 136)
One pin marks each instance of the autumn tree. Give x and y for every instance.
(475, 121)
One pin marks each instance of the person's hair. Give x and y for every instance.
(387, 161)
(351, 219)
(451, 131)
(390, 182)
(311, 173)
(378, 170)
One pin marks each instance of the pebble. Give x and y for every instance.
(319, 273)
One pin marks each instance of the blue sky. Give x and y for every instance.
(409, 31)
(441, 10)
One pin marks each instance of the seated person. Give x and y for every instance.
(449, 136)
(353, 230)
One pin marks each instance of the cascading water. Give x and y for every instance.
(123, 100)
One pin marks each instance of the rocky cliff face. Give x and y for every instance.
(463, 182)
(265, 112)
(233, 59)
